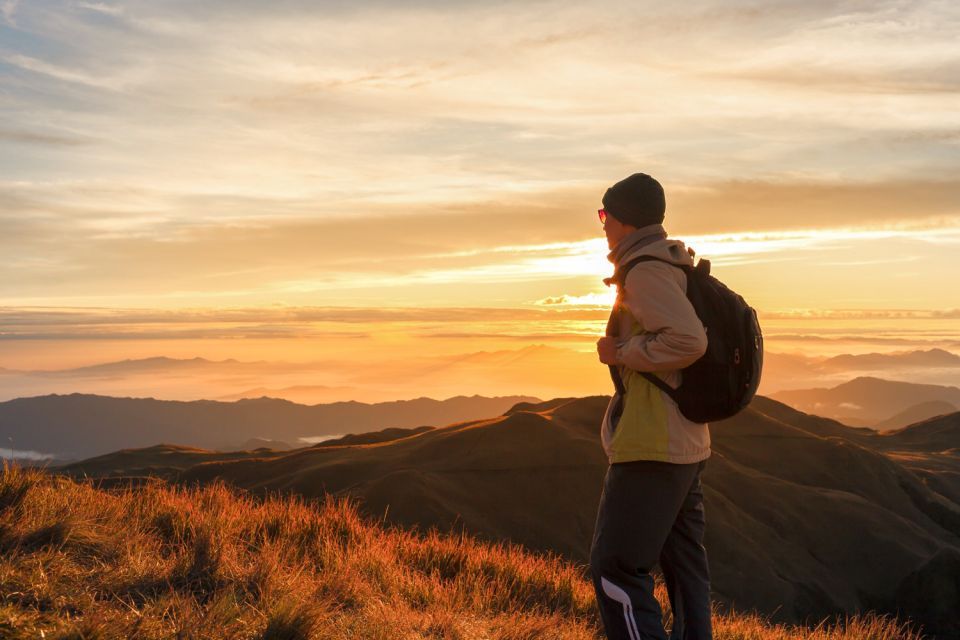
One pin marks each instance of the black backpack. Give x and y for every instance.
(726, 377)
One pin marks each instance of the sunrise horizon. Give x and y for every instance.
(479, 319)
(301, 185)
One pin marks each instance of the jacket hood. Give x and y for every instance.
(673, 251)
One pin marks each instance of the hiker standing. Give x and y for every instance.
(651, 510)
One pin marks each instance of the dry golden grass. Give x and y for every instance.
(160, 561)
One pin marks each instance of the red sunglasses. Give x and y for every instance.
(603, 215)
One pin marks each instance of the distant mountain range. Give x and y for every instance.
(300, 393)
(806, 517)
(782, 371)
(79, 426)
(141, 365)
(928, 358)
(536, 370)
(882, 404)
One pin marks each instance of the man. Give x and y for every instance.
(651, 509)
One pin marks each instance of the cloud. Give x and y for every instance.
(741, 205)
(603, 300)
(564, 322)
(102, 7)
(9, 9)
(584, 336)
(941, 79)
(283, 323)
(444, 153)
(181, 334)
(867, 337)
(32, 137)
(10, 454)
(58, 72)
(244, 250)
(862, 314)
(457, 96)
(850, 49)
(33, 316)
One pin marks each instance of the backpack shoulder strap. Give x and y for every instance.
(619, 277)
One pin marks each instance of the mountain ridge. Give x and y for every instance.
(85, 425)
(804, 505)
(867, 398)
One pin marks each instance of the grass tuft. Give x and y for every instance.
(14, 485)
(292, 621)
(200, 570)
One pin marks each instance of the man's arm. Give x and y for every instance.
(676, 338)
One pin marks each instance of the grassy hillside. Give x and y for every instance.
(161, 561)
(806, 517)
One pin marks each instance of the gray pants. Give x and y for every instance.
(651, 511)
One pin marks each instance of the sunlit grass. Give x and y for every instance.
(163, 561)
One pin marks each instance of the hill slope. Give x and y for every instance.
(799, 508)
(79, 426)
(872, 401)
(916, 413)
(159, 562)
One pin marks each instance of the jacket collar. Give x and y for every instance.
(636, 239)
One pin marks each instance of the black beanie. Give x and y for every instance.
(637, 200)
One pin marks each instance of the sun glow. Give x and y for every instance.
(214, 179)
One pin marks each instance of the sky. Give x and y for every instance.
(288, 180)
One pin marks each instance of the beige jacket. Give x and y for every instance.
(658, 331)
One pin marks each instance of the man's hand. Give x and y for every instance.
(607, 350)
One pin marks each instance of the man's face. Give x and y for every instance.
(615, 230)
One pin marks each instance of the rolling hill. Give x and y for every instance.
(156, 561)
(806, 517)
(875, 402)
(786, 371)
(79, 426)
